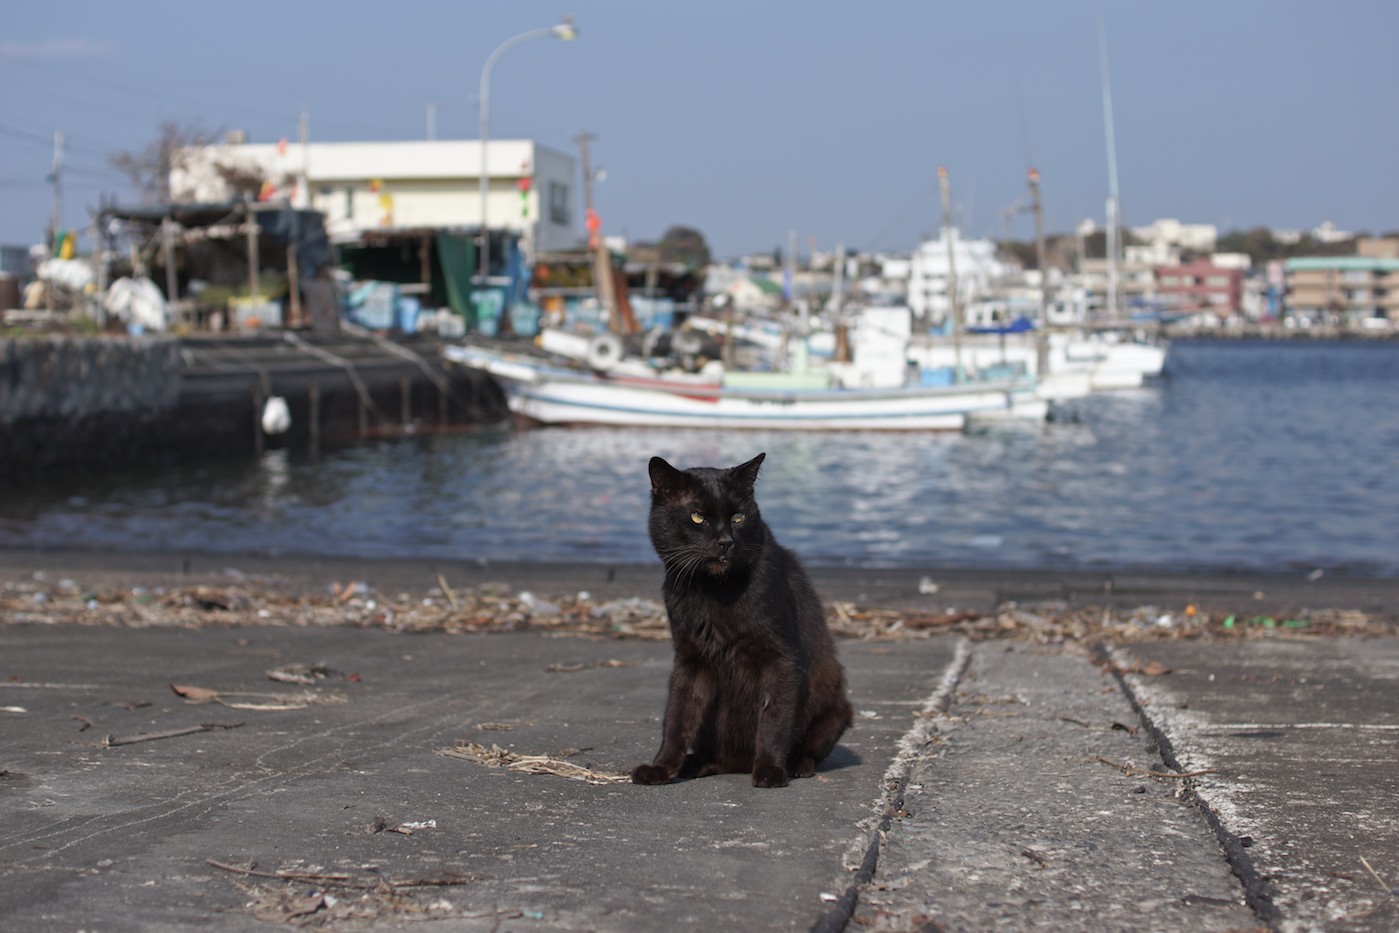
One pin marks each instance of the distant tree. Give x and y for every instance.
(685, 245)
(149, 169)
(1022, 253)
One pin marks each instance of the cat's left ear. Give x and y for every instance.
(747, 473)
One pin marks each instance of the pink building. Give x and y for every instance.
(1201, 285)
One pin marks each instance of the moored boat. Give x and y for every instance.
(542, 392)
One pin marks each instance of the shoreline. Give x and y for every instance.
(927, 589)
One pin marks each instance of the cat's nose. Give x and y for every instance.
(724, 542)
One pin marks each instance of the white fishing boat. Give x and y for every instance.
(1077, 363)
(540, 391)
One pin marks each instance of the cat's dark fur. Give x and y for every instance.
(756, 685)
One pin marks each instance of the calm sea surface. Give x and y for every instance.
(1250, 456)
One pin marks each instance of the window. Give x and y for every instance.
(560, 212)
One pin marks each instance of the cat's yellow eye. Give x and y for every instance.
(738, 519)
(697, 518)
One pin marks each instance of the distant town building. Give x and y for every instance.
(1201, 285)
(1326, 233)
(381, 187)
(1166, 233)
(1136, 285)
(978, 272)
(1350, 288)
(1372, 247)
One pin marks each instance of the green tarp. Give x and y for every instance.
(456, 257)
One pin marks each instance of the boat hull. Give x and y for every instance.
(555, 396)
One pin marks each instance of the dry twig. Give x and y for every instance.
(1131, 771)
(112, 741)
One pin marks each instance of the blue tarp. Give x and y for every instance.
(1018, 326)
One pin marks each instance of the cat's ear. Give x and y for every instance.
(665, 479)
(747, 473)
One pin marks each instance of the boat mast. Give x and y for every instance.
(1113, 221)
(1042, 342)
(602, 257)
(953, 304)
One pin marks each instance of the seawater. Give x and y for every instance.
(1248, 456)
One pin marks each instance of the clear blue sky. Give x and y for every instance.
(748, 119)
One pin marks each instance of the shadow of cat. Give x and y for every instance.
(839, 759)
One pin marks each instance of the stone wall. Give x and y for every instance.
(78, 378)
(71, 404)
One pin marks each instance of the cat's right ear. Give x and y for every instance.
(665, 479)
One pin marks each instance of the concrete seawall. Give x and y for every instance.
(73, 378)
(70, 405)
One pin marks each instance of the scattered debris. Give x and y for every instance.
(447, 591)
(381, 825)
(346, 879)
(1146, 669)
(257, 702)
(1133, 771)
(587, 665)
(306, 675)
(112, 741)
(13, 709)
(496, 607)
(1036, 857)
(497, 757)
(1376, 875)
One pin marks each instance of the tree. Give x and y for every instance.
(149, 169)
(685, 245)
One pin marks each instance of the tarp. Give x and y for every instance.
(456, 255)
(1017, 326)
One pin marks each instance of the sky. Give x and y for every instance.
(747, 119)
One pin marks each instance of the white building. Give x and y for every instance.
(1168, 232)
(388, 186)
(978, 273)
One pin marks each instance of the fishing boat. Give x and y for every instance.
(548, 393)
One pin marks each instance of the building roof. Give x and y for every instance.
(1341, 264)
(412, 159)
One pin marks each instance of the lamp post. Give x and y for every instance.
(565, 31)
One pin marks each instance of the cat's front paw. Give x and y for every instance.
(649, 774)
(769, 776)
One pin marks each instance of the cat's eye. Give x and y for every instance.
(697, 518)
(738, 518)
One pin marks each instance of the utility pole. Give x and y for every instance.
(953, 304)
(56, 220)
(602, 261)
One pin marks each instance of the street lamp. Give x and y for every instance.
(565, 31)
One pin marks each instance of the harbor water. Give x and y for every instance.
(1249, 456)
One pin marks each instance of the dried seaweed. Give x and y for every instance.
(491, 608)
(497, 757)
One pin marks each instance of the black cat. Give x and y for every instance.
(756, 686)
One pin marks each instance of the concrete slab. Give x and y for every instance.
(1017, 816)
(1302, 737)
(119, 838)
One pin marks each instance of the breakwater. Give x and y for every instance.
(71, 405)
